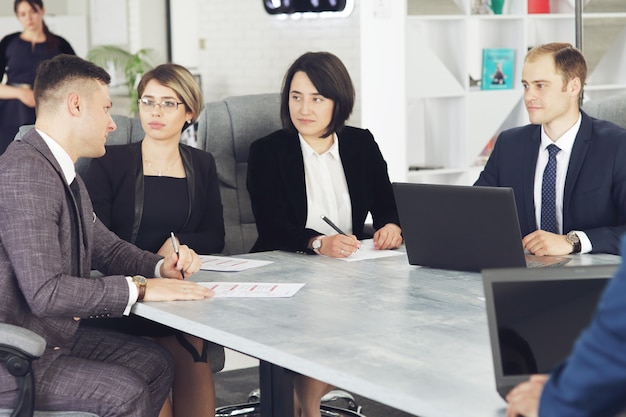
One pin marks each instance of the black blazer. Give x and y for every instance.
(115, 184)
(594, 199)
(278, 192)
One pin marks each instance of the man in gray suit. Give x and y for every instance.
(50, 240)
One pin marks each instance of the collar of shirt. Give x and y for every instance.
(307, 151)
(566, 141)
(62, 157)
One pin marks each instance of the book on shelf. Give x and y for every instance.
(498, 69)
(538, 6)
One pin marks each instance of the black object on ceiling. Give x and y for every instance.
(302, 6)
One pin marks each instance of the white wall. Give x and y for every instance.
(247, 51)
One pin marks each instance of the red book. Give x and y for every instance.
(538, 6)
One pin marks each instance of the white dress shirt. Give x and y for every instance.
(326, 189)
(565, 143)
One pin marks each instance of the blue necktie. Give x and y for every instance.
(548, 192)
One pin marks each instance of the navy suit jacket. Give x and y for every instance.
(592, 381)
(278, 190)
(594, 199)
(45, 277)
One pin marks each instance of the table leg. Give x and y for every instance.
(276, 390)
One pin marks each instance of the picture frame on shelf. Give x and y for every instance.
(498, 69)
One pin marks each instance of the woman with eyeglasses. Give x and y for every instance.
(20, 54)
(143, 191)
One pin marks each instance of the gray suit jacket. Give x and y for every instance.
(45, 282)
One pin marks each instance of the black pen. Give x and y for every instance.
(175, 244)
(334, 226)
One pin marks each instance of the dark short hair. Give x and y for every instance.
(179, 79)
(35, 4)
(56, 73)
(331, 79)
(568, 61)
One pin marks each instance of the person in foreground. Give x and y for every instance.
(316, 166)
(567, 170)
(592, 380)
(51, 240)
(20, 54)
(127, 187)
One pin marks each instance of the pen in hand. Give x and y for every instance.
(334, 226)
(175, 244)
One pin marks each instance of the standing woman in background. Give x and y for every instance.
(20, 55)
(145, 190)
(317, 166)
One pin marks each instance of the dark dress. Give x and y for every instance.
(145, 209)
(19, 60)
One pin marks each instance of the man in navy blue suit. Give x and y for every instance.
(586, 208)
(592, 381)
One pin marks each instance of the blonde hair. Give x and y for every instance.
(179, 79)
(568, 61)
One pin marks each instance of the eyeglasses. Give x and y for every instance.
(167, 106)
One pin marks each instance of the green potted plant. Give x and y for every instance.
(133, 65)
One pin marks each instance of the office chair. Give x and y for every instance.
(329, 406)
(19, 347)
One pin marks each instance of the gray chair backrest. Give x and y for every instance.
(611, 108)
(226, 129)
(128, 130)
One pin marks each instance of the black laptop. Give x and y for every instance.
(463, 227)
(536, 315)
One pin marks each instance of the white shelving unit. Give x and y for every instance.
(448, 119)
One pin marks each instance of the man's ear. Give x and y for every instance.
(73, 104)
(574, 86)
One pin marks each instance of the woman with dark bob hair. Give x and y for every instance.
(316, 166)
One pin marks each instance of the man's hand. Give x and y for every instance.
(524, 399)
(544, 243)
(388, 237)
(163, 289)
(187, 261)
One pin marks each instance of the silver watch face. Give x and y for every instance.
(138, 279)
(573, 238)
(317, 243)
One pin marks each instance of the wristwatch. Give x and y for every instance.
(141, 283)
(317, 244)
(574, 240)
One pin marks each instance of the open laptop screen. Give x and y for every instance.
(535, 316)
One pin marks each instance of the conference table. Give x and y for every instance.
(412, 338)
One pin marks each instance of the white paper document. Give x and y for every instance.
(252, 289)
(367, 251)
(226, 264)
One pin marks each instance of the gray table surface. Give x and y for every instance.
(409, 337)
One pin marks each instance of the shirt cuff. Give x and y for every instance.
(157, 269)
(585, 243)
(133, 294)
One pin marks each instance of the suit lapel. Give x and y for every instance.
(36, 141)
(530, 165)
(354, 179)
(293, 174)
(576, 160)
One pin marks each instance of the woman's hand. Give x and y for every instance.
(187, 261)
(388, 237)
(26, 96)
(339, 246)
